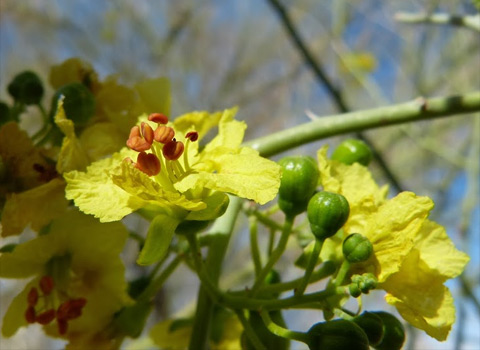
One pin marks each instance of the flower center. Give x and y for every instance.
(49, 300)
(165, 149)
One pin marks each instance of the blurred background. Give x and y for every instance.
(223, 53)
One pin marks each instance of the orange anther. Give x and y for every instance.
(173, 150)
(158, 118)
(138, 144)
(147, 132)
(71, 309)
(192, 136)
(164, 134)
(32, 297)
(148, 163)
(47, 284)
(30, 314)
(62, 326)
(134, 132)
(46, 317)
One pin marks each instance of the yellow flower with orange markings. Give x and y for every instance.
(165, 173)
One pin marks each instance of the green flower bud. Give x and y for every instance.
(357, 248)
(298, 183)
(372, 325)
(351, 151)
(354, 290)
(26, 88)
(393, 332)
(78, 103)
(327, 212)
(338, 334)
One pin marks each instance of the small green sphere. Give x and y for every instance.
(78, 103)
(357, 248)
(337, 334)
(394, 333)
(372, 325)
(26, 88)
(298, 183)
(4, 113)
(351, 151)
(327, 212)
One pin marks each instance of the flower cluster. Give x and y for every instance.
(413, 256)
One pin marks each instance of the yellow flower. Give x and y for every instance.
(31, 193)
(74, 70)
(412, 257)
(176, 180)
(78, 278)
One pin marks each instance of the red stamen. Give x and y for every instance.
(30, 314)
(136, 141)
(147, 132)
(47, 284)
(158, 118)
(148, 163)
(71, 309)
(164, 134)
(173, 150)
(62, 326)
(32, 297)
(192, 136)
(46, 317)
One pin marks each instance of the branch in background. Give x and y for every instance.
(416, 110)
(470, 22)
(334, 92)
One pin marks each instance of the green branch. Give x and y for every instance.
(467, 21)
(416, 110)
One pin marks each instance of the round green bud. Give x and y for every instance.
(351, 151)
(393, 332)
(298, 183)
(327, 212)
(337, 334)
(357, 248)
(78, 103)
(26, 88)
(372, 325)
(354, 290)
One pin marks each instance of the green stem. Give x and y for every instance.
(277, 252)
(280, 331)
(158, 282)
(257, 262)
(222, 230)
(467, 21)
(249, 331)
(312, 262)
(326, 270)
(271, 241)
(342, 273)
(416, 110)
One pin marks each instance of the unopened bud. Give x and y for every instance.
(357, 248)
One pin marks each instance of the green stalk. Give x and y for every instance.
(222, 230)
(310, 267)
(277, 252)
(249, 331)
(321, 128)
(280, 331)
(257, 262)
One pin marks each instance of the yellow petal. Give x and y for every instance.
(201, 122)
(154, 96)
(72, 156)
(71, 71)
(101, 140)
(15, 316)
(392, 229)
(244, 174)
(230, 132)
(95, 193)
(166, 338)
(421, 298)
(438, 251)
(36, 207)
